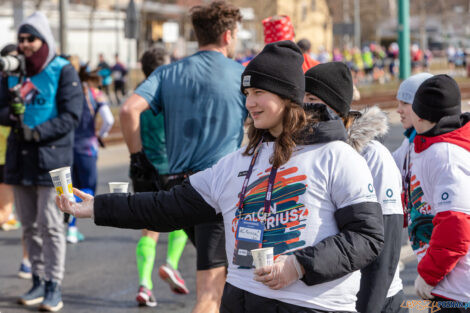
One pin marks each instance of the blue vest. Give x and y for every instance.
(41, 106)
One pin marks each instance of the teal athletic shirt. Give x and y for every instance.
(203, 108)
(152, 133)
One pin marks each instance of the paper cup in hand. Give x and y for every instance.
(118, 187)
(62, 180)
(262, 257)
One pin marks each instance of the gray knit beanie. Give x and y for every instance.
(407, 90)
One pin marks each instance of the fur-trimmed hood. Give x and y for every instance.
(373, 123)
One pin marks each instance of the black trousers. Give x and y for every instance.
(394, 304)
(236, 300)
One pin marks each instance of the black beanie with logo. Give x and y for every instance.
(438, 96)
(277, 69)
(332, 83)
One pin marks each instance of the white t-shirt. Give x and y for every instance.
(387, 177)
(444, 172)
(399, 155)
(317, 180)
(388, 186)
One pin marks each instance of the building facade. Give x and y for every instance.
(311, 20)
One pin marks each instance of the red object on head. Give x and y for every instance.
(277, 28)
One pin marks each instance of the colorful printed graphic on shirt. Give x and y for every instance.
(419, 219)
(29, 92)
(288, 217)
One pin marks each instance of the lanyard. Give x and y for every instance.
(407, 179)
(271, 180)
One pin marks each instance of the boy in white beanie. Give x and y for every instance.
(418, 216)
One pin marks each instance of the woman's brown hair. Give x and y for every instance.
(92, 78)
(293, 122)
(350, 118)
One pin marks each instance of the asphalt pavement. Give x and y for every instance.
(101, 274)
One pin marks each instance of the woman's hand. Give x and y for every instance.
(79, 210)
(285, 271)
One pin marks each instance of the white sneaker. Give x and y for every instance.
(72, 235)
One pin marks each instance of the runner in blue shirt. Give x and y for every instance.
(204, 113)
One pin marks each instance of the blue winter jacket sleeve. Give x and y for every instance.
(69, 106)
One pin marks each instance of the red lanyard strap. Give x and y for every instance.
(271, 181)
(406, 179)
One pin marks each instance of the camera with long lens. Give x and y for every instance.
(15, 65)
(12, 64)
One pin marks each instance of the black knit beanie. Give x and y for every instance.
(332, 83)
(438, 96)
(30, 29)
(277, 69)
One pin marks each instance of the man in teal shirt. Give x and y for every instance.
(145, 179)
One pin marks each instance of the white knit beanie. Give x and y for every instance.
(407, 90)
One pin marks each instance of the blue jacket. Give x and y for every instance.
(29, 163)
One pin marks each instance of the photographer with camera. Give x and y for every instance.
(43, 110)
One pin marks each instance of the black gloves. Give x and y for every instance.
(143, 173)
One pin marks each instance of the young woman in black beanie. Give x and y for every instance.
(320, 216)
(329, 89)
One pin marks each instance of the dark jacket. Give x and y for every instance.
(29, 163)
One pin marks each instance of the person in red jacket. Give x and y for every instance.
(305, 46)
(441, 164)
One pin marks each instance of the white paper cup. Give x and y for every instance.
(263, 257)
(62, 179)
(118, 187)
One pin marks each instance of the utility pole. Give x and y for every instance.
(347, 20)
(63, 8)
(422, 25)
(357, 24)
(404, 38)
(116, 10)
(91, 19)
(18, 13)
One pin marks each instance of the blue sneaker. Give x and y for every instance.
(25, 271)
(35, 295)
(52, 299)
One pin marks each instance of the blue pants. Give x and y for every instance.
(84, 176)
(84, 172)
